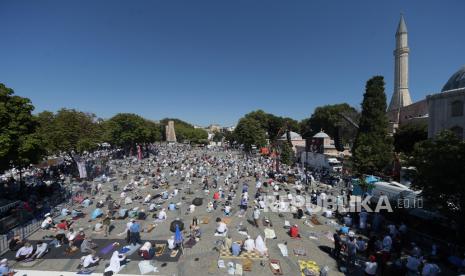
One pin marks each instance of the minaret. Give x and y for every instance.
(401, 95)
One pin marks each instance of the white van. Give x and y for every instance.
(393, 190)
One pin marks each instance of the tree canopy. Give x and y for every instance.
(248, 132)
(126, 130)
(272, 124)
(372, 150)
(19, 143)
(440, 164)
(328, 118)
(408, 135)
(69, 130)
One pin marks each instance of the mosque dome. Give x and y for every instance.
(457, 80)
(321, 134)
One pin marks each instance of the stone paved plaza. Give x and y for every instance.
(202, 258)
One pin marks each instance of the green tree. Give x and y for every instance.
(248, 132)
(440, 175)
(69, 131)
(372, 150)
(126, 130)
(19, 144)
(286, 154)
(274, 126)
(328, 118)
(408, 135)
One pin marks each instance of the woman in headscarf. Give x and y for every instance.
(117, 260)
(260, 246)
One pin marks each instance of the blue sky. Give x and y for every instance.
(213, 61)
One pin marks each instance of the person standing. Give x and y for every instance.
(337, 246)
(256, 215)
(135, 233)
(106, 221)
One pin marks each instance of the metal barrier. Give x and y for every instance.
(25, 230)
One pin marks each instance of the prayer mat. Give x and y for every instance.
(227, 254)
(190, 243)
(275, 267)
(239, 269)
(300, 252)
(269, 233)
(226, 220)
(174, 253)
(150, 228)
(205, 220)
(107, 249)
(159, 249)
(314, 220)
(247, 265)
(310, 265)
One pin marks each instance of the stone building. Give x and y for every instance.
(446, 109)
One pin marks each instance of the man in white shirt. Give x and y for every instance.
(24, 252)
(249, 244)
(171, 244)
(221, 227)
(90, 261)
(256, 215)
(40, 250)
(47, 223)
(162, 214)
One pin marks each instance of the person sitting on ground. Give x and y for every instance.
(171, 244)
(15, 243)
(210, 207)
(294, 231)
(64, 212)
(99, 204)
(64, 225)
(235, 249)
(260, 246)
(152, 207)
(86, 202)
(221, 227)
(117, 261)
(227, 243)
(162, 215)
(90, 261)
(172, 206)
(147, 251)
(191, 208)
(76, 214)
(227, 210)
(41, 250)
(48, 222)
(87, 246)
(141, 215)
(79, 238)
(70, 236)
(24, 252)
(4, 268)
(249, 244)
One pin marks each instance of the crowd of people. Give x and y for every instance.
(140, 190)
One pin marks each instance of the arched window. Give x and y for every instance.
(457, 108)
(457, 131)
